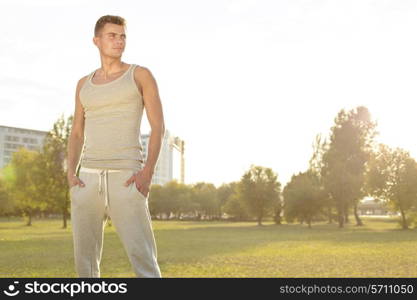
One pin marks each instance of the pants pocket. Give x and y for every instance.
(139, 192)
(133, 187)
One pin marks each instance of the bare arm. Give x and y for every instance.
(76, 139)
(155, 116)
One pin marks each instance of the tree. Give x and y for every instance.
(224, 194)
(6, 201)
(316, 165)
(53, 160)
(184, 202)
(303, 197)
(170, 200)
(205, 194)
(278, 209)
(155, 196)
(344, 162)
(259, 189)
(392, 177)
(24, 190)
(235, 207)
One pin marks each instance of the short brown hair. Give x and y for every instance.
(108, 19)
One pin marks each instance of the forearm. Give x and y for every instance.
(75, 145)
(154, 148)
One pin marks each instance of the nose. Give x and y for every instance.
(118, 41)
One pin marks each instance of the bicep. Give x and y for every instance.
(151, 98)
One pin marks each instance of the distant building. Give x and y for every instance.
(12, 138)
(170, 164)
(372, 207)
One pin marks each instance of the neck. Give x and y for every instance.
(110, 67)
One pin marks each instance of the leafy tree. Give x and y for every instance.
(235, 207)
(303, 197)
(7, 204)
(185, 202)
(170, 200)
(344, 162)
(278, 207)
(53, 173)
(224, 193)
(155, 196)
(392, 177)
(205, 194)
(24, 190)
(259, 189)
(316, 165)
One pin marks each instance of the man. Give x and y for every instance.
(113, 180)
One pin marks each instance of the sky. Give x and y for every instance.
(241, 82)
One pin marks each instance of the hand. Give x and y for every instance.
(73, 180)
(142, 180)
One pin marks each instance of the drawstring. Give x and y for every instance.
(99, 182)
(103, 177)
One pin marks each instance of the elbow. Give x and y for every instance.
(158, 128)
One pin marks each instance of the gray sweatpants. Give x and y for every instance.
(103, 195)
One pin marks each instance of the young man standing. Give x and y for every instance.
(113, 180)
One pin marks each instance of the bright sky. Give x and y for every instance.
(242, 82)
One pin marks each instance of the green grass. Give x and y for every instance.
(222, 249)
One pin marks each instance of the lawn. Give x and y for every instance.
(222, 249)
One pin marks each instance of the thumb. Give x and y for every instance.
(81, 182)
(129, 181)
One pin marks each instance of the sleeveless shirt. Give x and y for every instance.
(113, 114)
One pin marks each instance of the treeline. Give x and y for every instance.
(345, 166)
(255, 197)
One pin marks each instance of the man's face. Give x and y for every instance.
(112, 40)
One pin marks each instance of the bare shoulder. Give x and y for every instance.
(142, 71)
(83, 79)
(144, 77)
(81, 82)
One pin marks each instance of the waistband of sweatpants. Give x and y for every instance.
(96, 170)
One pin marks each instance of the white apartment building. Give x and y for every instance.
(170, 164)
(12, 138)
